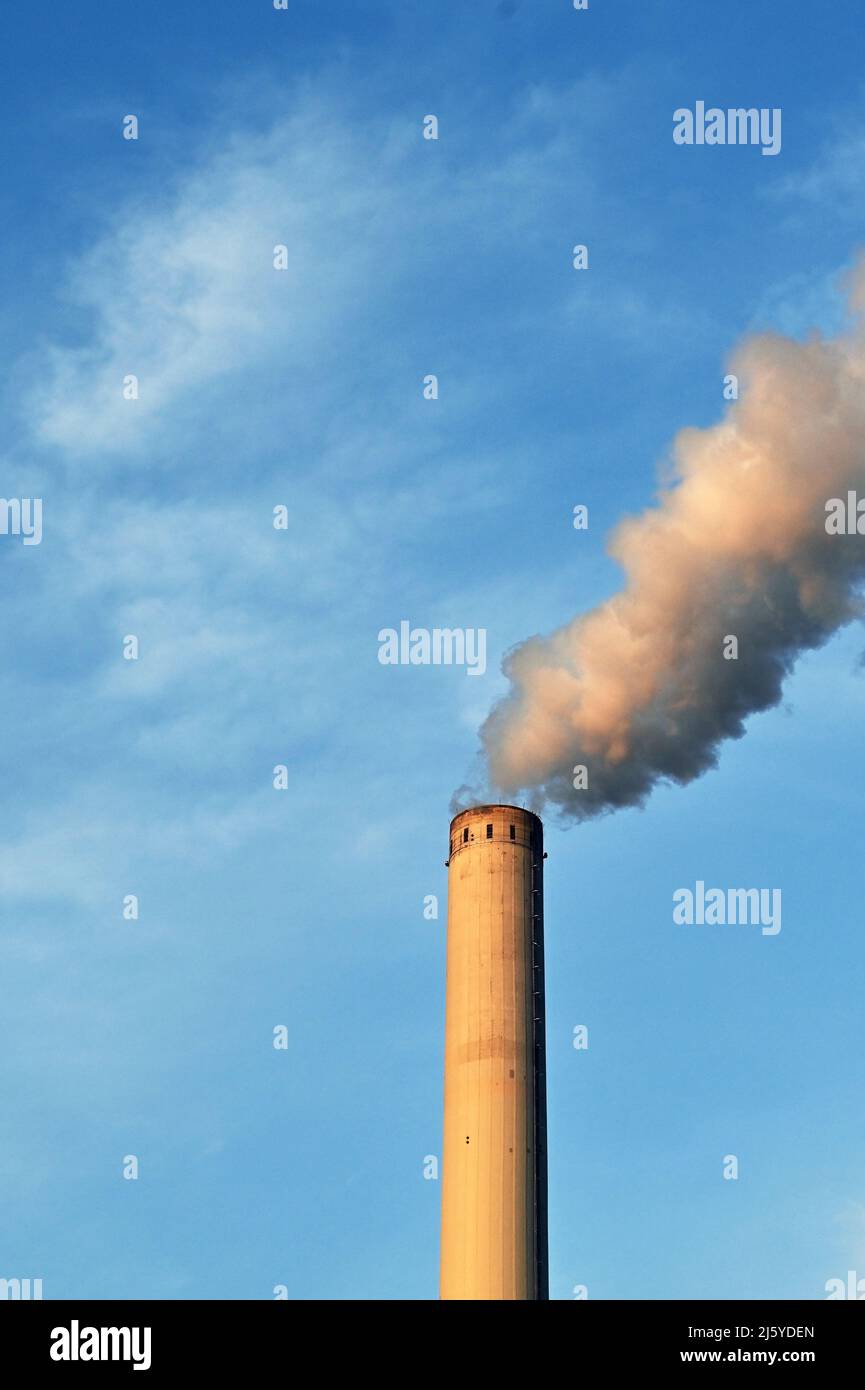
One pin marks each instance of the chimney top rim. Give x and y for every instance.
(496, 806)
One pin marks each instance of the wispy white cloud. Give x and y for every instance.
(83, 849)
(186, 291)
(245, 631)
(181, 290)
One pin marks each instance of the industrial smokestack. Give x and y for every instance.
(494, 1160)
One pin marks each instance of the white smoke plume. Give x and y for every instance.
(639, 690)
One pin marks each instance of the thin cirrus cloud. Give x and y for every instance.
(188, 293)
(181, 289)
(244, 631)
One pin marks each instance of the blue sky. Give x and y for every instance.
(304, 907)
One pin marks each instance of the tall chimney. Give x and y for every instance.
(494, 1158)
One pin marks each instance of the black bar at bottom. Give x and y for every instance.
(216, 1338)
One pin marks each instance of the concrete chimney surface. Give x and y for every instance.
(493, 1242)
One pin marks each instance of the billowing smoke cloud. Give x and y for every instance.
(639, 690)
